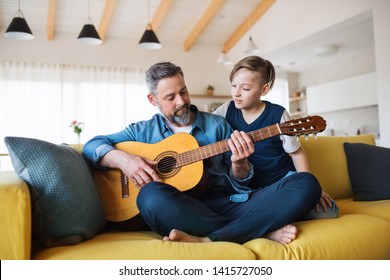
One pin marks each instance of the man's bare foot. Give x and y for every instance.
(283, 235)
(181, 236)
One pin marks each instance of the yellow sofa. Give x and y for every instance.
(362, 231)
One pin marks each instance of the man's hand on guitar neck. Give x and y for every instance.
(242, 147)
(137, 169)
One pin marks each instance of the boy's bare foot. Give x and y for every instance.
(181, 236)
(283, 235)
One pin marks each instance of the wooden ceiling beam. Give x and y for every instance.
(51, 16)
(106, 18)
(210, 12)
(257, 13)
(160, 14)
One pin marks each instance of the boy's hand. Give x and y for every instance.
(241, 146)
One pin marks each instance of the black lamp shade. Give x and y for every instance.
(19, 29)
(149, 40)
(89, 35)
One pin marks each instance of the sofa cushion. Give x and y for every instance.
(65, 205)
(328, 162)
(145, 245)
(378, 208)
(369, 171)
(349, 237)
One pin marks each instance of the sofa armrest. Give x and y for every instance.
(15, 217)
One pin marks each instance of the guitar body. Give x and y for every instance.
(109, 184)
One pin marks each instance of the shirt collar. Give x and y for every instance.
(199, 119)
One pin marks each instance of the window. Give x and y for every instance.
(40, 100)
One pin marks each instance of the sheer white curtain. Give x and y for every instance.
(40, 100)
(29, 105)
(105, 99)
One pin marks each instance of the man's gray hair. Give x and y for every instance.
(158, 72)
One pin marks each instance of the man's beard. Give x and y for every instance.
(184, 118)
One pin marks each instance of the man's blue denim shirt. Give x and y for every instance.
(207, 128)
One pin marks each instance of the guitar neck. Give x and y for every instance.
(221, 147)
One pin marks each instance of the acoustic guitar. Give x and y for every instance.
(179, 163)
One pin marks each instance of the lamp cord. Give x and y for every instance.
(89, 14)
(149, 11)
(19, 11)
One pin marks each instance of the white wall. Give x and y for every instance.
(382, 53)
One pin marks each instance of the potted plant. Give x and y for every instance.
(210, 90)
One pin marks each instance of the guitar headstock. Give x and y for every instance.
(303, 126)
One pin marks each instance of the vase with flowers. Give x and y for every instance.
(77, 128)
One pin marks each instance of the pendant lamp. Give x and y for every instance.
(251, 47)
(149, 40)
(223, 59)
(18, 28)
(89, 35)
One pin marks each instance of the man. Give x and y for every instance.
(225, 210)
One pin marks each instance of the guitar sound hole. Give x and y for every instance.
(166, 165)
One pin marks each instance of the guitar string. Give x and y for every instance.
(190, 157)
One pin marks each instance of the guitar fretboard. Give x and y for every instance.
(221, 147)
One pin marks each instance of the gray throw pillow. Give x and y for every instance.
(65, 204)
(369, 171)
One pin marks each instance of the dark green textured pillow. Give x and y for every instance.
(369, 171)
(65, 205)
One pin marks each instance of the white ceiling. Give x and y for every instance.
(131, 16)
(351, 38)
